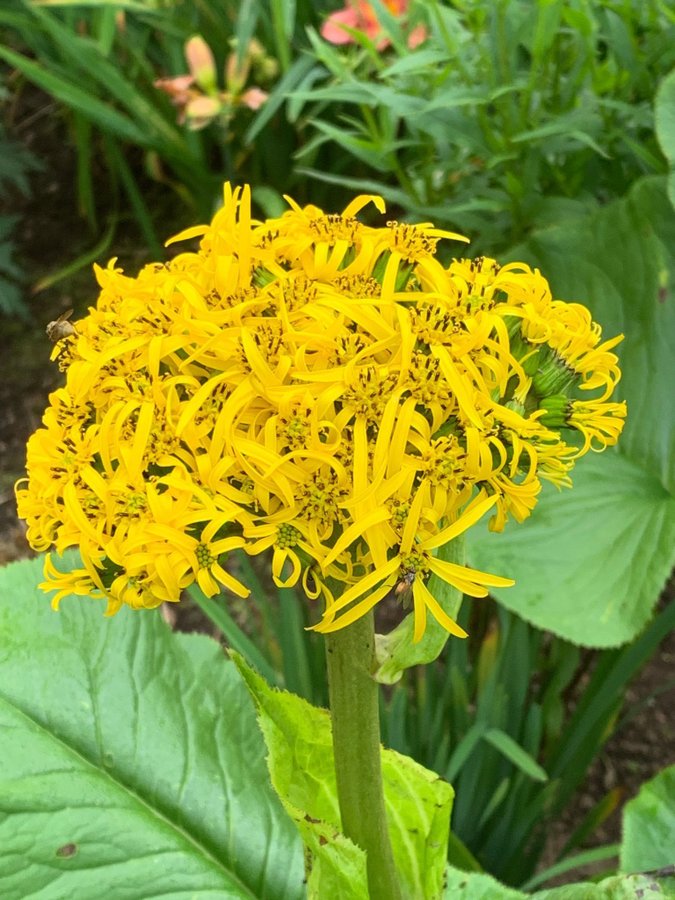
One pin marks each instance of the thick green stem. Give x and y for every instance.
(354, 710)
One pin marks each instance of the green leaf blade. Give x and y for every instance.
(520, 758)
(590, 563)
(649, 825)
(477, 886)
(581, 563)
(417, 801)
(66, 817)
(77, 98)
(664, 116)
(131, 760)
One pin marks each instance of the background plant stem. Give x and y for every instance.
(353, 693)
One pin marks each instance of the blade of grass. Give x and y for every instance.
(266, 608)
(460, 856)
(598, 703)
(283, 23)
(86, 259)
(293, 77)
(593, 819)
(495, 801)
(396, 716)
(138, 205)
(460, 698)
(128, 5)
(463, 750)
(582, 736)
(86, 56)
(85, 186)
(233, 634)
(105, 28)
(247, 19)
(293, 643)
(597, 854)
(75, 97)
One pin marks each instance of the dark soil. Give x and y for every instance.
(51, 234)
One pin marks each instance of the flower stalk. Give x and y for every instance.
(354, 699)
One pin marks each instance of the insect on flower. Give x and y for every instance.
(61, 327)
(404, 587)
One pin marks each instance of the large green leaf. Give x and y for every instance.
(589, 564)
(664, 120)
(475, 886)
(622, 266)
(649, 826)
(418, 802)
(618, 887)
(132, 764)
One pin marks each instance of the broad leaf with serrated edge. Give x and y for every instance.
(418, 802)
(590, 562)
(478, 886)
(649, 825)
(132, 764)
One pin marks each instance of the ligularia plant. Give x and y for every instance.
(327, 391)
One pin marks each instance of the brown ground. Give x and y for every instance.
(51, 235)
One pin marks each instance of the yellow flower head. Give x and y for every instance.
(317, 388)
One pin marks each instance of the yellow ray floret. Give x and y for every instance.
(319, 388)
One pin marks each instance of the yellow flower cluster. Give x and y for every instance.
(319, 387)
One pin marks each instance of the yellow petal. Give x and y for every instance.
(360, 609)
(469, 517)
(427, 599)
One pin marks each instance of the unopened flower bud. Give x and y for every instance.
(557, 408)
(526, 353)
(553, 375)
(201, 63)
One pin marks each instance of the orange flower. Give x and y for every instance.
(359, 15)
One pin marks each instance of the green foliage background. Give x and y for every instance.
(133, 765)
